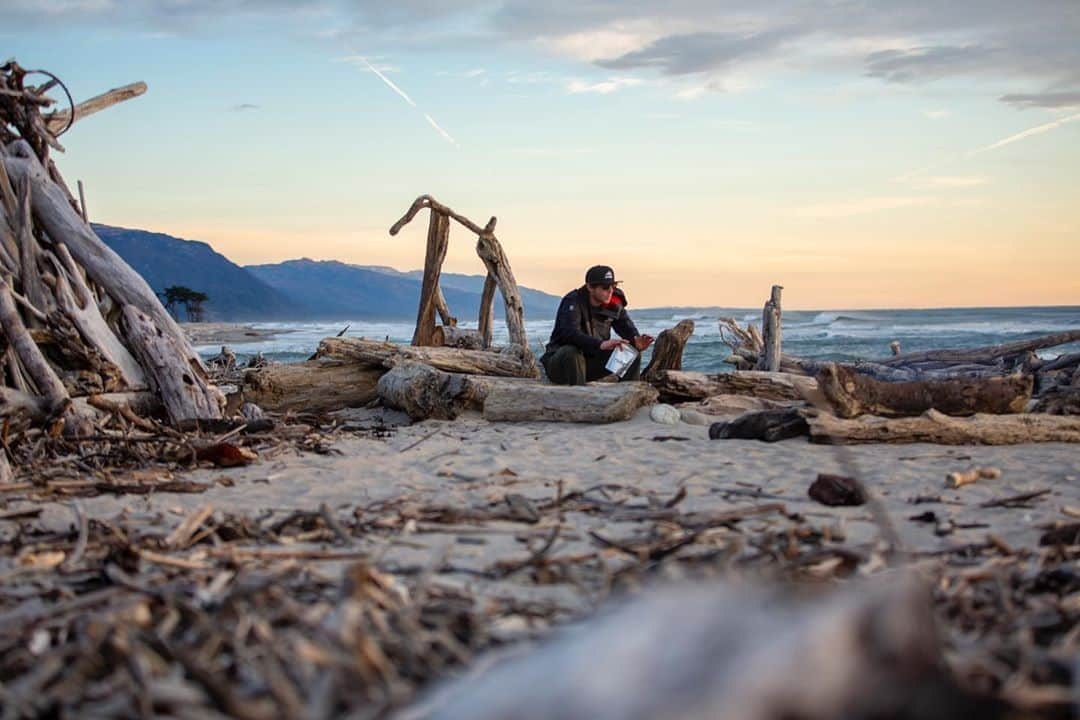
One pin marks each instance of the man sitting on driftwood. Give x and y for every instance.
(581, 342)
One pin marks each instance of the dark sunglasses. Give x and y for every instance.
(605, 286)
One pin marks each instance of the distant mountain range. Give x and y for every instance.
(297, 289)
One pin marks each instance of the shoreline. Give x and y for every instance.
(227, 333)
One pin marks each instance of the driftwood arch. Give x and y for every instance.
(499, 275)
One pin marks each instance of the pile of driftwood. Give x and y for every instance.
(331, 611)
(446, 369)
(994, 395)
(87, 346)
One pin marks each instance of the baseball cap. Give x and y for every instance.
(599, 274)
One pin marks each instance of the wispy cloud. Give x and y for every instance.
(603, 87)
(937, 114)
(243, 107)
(863, 206)
(955, 181)
(404, 95)
(1037, 130)
(1043, 100)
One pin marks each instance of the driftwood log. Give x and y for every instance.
(184, 389)
(512, 361)
(423, 392)
(682, 385)
(987, 355)
(717, 651)
(321, 385)
(438, 241)
(935, 427)
(852, 394)
(455, 337)
(769, 360)
(596, 403)
(487, 310)
(668, 350)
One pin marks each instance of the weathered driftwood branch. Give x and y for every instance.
(668, 350)
(852, 394)
(599, 403)
(487, 310)
(315, 386)
(49, 385)
(184, 389)
(59, 120)
(423, 392)
(510, 362)
(771, 332)
(438, 239)
(682, 385)
(935, 427)
(987, 355)
(64, 225)
(455, 337)
(737, 652)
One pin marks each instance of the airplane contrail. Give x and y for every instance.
(405, 96)
(1037, 130)
(388, 81)
(439, 129)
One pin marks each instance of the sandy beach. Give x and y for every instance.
(209, 333)
(470, 467)
(472, 463)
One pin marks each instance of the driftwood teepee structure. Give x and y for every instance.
(80, 327)
(499, 275)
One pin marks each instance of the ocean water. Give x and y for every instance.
(823, 335)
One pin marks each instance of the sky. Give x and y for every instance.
(861, 153)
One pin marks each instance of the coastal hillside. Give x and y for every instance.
(537, 302)
(301, 289)
(234, 292)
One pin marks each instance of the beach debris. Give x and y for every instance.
(765, 425)
(1065, 534)
(224, 360)
(668, 350)
(935, 427)
(664, 414)
(837, 490)
(682, 385)
(694, 417)
(966, 477)
(876, 643)
(527, 401)
(769, 360)
(226, 455)
(852, 394)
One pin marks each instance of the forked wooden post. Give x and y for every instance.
(771, 332)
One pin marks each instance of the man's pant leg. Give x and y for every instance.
(565, 366)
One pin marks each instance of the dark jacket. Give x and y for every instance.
(580, 324)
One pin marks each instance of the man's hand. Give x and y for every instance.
(643, 341)
(612, 344)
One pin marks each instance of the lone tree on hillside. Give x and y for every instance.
(192, 300)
